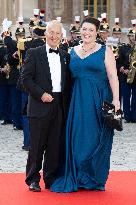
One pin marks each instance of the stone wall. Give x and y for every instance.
(67, 9)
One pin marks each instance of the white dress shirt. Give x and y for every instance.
(55, 69)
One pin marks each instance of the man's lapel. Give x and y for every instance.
(45, 63)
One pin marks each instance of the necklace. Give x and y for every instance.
(89, 49)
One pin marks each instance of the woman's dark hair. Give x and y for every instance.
(91, 20)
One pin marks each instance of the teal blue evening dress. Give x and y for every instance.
(88, 137)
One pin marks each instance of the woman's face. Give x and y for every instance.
(88, 32)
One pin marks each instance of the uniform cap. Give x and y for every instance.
(58, 18)
(77, 18)
(20, 31)
(6, 25)
(132, 31)
(100, 19)
(39, 29)
(73, 29)
(116, 20)
(116, 28)
(103, 15)
(104, 26)
(133, 21)
(20, 19)
(36, 12)
(85, 12)
(42, 13)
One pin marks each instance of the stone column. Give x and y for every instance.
(9, 9)
(41, 4)
(20, 13)
(49, 10)
(112, 13)
(68, 11)
(125, 13)
(1, 9)
(76, 8)
(4, 3)
(119, 10)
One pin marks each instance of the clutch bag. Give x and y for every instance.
(113, 119)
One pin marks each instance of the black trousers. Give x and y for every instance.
(46, 142)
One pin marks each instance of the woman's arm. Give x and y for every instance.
(110, 64)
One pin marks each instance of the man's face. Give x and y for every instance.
(116, 35)
(53, 35)
(73, 35)
(104, 35)
(131, 38)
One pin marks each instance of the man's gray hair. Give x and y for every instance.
(52, 23)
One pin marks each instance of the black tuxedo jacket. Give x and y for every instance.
(37, 80)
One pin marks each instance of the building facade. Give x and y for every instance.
(68, 9)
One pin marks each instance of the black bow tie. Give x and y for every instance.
(53, 50)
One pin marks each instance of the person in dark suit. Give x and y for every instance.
(46, 77)
(11, 95)
(3, 83)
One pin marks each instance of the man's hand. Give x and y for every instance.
(122, 69)
(3, 70)
(47, 98)
(15, 55)
(126, 71)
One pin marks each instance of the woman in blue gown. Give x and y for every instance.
(88, 138)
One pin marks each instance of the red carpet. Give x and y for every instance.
(120, 190)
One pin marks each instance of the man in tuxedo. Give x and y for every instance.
(46, 77)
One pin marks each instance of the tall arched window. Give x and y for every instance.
(96, 7)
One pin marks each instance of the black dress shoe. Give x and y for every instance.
(49, 181)
(5, 122)
(127, 121)
(17, 128)
(34, 187)
(26, 148)
(133, 121)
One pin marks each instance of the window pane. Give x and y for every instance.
(85, 4)
(101, 7)
(89, 5)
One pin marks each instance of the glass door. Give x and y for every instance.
(96, 7)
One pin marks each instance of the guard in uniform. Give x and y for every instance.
(74, 39)
(116, 34)
(11, 97)
(127, 58)
(23, 45)
(76, 23)
(35, 19)
(3, 85)
(116, 30)
(20, 28)
(103, 30)
(13, 94)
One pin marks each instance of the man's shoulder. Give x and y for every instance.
(125, 47)
(64, 53)
(37, 50)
